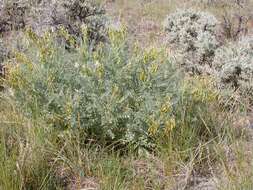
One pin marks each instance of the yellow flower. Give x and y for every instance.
(150, 55)
(32, 35)
(23, 59)
(115, 91)
(153, 128)
(68, 108)
(143, 76)
(166, 107)
(154, 68)
(169, 126)
(100, 71)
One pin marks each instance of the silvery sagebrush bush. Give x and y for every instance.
(72, 14)
(3, 52)
(193, 34)
(12, 15)
(44, 15)
(89, 13)
(3, 55)
(233, 64)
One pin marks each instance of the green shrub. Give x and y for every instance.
(113, 94)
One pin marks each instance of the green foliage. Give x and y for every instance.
(72, 116)
(23, 163)
(112, 94)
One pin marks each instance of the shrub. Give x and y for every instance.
(3, 56)
(193, 34)
(71, 15)
(85, 11)
(111, 94)
(49, 15)
(2, 51)
(234, 66)
(12, 15)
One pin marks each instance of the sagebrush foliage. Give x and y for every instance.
(112, 94)
(72, 15)
(44, 15)
(12, 15)
(2, 51)
(194, 35)
(3, 57)
(233, 66)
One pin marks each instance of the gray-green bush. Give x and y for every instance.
(112, 94)
(87, 12)
(193, 34)
(12, 15)
(51, 15)
(3, 56)
(2, 51)
(233, 64)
